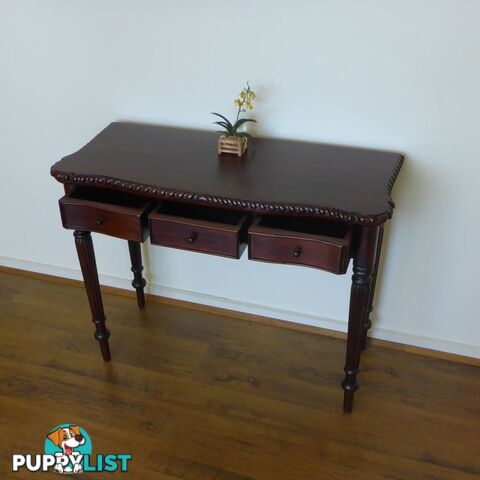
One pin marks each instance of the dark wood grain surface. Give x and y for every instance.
(219, 232)
(195, 395)
(120, 221)
(268, 241)
(347, 184)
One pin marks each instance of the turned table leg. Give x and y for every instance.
(363, 266)
(138, 281)
(368, 320)
(86, 256)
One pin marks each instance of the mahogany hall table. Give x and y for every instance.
(291, 202)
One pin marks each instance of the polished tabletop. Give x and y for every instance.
(346, 184)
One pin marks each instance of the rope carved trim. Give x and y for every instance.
(257, 206)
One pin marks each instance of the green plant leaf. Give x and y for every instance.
(224, 118)
(228, 129)
(223, 124)
(242, 121)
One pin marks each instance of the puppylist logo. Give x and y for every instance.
(68, 450)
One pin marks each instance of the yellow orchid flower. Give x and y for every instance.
(243, 102)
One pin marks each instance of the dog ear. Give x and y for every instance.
(56, 436)
(75, 429)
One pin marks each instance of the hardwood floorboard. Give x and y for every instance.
(198, 395)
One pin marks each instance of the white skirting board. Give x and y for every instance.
(255, 309)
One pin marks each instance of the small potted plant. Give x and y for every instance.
(232, 141)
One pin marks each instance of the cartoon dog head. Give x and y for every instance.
(67, 438)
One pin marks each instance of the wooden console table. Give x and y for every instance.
(290, 202)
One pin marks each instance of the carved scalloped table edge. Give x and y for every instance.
(351, 218)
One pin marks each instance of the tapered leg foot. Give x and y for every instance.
(368, 326)
(363, 263)
(348, 397)
(102, 338)
(138, 282)
(368, 320)
(86, 257)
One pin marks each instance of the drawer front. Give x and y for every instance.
(271, 245)
(196, 236)
(121, 222)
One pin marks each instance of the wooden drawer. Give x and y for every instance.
(118, 214)
(300, 241)
(216, 231)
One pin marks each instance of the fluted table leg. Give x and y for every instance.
(86, 256)
(138, 282)
(363, 266)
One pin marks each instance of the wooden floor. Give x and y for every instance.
(197, 395)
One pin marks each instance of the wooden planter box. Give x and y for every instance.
(232, 145)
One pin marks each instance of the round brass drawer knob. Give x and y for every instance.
(192, 238)
(99, 221)
(296, 252)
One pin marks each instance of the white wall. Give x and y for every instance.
(400, 75)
